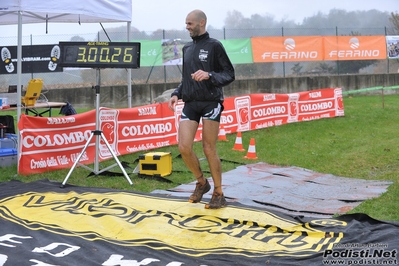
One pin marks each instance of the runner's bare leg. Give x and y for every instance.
(187, 131)
(210, 134)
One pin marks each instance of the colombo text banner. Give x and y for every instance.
(52, 143)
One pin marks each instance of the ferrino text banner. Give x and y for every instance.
(52, 143)
(317, 48)
(284, 49)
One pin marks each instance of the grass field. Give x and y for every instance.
(362, 144)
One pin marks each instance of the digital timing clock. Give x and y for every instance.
(100, 54)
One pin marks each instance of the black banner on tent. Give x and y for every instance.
(43, 224)
(35, 59)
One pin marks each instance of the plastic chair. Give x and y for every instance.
(32, 92)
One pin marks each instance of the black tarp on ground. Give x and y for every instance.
(292, 190)
(43, 224)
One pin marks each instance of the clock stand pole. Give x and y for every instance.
(97, 133)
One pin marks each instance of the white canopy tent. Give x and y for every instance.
(66, 11)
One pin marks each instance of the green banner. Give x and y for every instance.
(158, 53)
(151, 53)
(239, 50)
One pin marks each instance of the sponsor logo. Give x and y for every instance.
(316, 106)
(272, 110)
(149, 129)
(290, 46)
(147, 111)
(40, 141)
(269, 97)
(128, 219)
(243, 106)
(354, 51)
(203, 55)
(360, 254)
(315, 94)
(108, 127)
(60, 120)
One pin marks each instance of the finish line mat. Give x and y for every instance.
(43, 224)
(292, 190)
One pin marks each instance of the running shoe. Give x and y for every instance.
(55, 55)
(6, 58)
(199, 191)
(5, 55)
(10, 67)
(217, 201)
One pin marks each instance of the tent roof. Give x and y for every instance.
(78, 11)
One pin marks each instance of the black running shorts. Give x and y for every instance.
(194, 110)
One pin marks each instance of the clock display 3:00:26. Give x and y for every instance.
(100, 54)
(105, 54)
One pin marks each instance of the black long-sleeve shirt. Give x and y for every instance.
(209, 55)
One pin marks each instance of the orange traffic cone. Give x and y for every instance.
(222, 134)
(238, 143)
(251, 154)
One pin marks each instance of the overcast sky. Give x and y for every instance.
(151, 15)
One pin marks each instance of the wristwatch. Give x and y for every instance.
(209, 74)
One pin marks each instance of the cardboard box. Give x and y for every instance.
(11, 98)
(155, 163)
(4, 103)
(8, 157)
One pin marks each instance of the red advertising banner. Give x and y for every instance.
(51, 143)
(255, 111)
